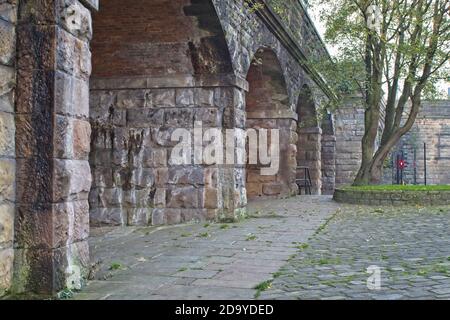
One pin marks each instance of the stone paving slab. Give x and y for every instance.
(410, 245)
(212, 261)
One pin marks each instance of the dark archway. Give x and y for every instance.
(267, 107)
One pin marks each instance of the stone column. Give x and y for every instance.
(52, 145)
(328, 164)
(281, 184)
(8, 19)
(309, 155)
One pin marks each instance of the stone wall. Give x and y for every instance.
(150, 80)
(52, 146)
(433, 128)
(349, 120)
(8, 19)
(328, 155)
(390, 198)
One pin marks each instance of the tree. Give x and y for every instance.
(391, 50)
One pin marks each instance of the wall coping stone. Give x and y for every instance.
(169, 81)
(389, 197)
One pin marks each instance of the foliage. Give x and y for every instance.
(395, 51)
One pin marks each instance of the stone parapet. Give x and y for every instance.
(397, 198)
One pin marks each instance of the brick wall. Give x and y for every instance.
(433, 128)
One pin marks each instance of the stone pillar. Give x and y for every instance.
(136, 181)
(349, 124)
(52, 145)
(309, 155)
(8, 19)
(328, 164)
(281, 184)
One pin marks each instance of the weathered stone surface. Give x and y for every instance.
(6, 269)
(210, 198)
(6, 225)
(72, 180)
(7, 41)
(7, 134)
(7, 180)
(183, 197)
(7, 83)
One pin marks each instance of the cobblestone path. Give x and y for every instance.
(410, 245)
(203, 261)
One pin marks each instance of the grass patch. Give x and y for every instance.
(182, 269)
(277, 274)
(399, 188)
(263, 286)
(115, 266)
(204, 235)
(224, 227)
(302, 246)
(251, 237)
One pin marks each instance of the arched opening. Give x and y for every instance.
(156, 65)
(309, 140)
(267, 108)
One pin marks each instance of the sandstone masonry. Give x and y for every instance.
(90, 94)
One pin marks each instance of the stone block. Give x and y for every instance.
(204, 97)
(6, 269)
(209, 117)
(185, 97)
(72, 138)
(139, 216)
(162, 177)
(107, 217)
(160, 198)
(71, 180)
(179, 118)
(8, 10)
(163, 98)
(173, 216)
(131, 99)
(154, 158)
(7, 134)
(145, 118)
(6, 225)
(7, 180)
(210, 198)
(186, 175)
(7, 84)
(7, 42)
(272, 189)
(159, 217)
(183, 197)
(52, 226)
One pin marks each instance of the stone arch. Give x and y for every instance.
(309, 138)
(267, 107)
(158, 38)
(158, 65)
(132, 105)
